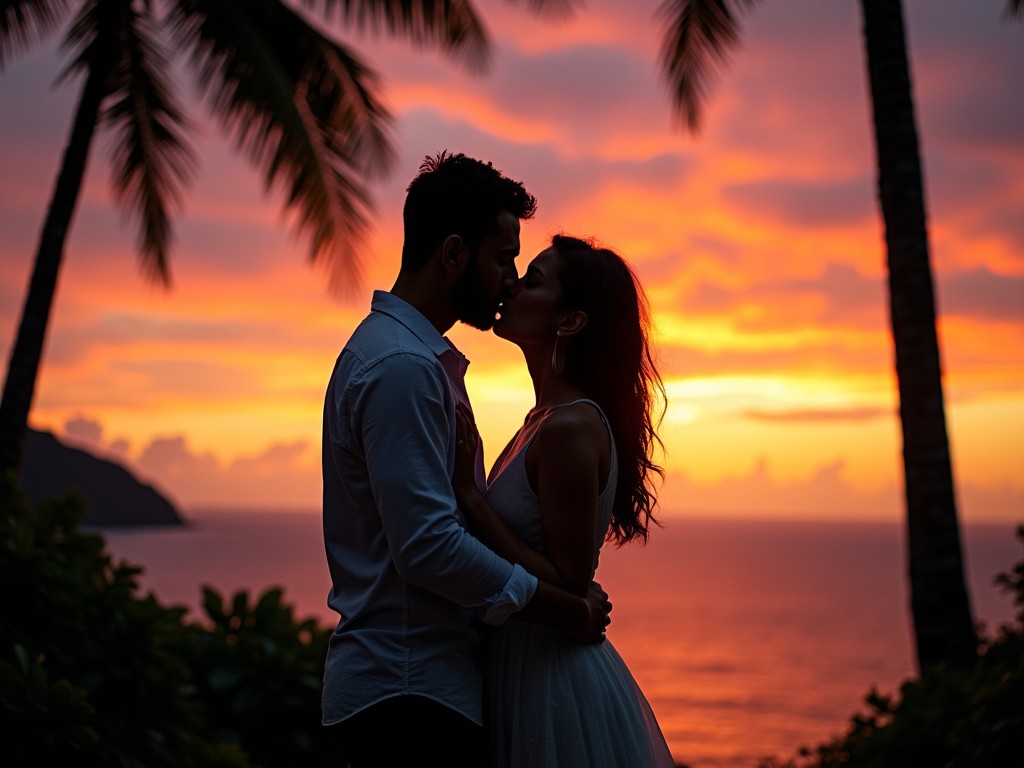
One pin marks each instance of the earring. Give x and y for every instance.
(558, 355)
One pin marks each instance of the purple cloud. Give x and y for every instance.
(84, 430)
(806, 205)
(982, 294)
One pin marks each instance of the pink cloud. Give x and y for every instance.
(278, 477)
(286, 476)
(88, 431)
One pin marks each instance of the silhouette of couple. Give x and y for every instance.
(471, 632)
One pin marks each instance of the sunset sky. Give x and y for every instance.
(758, 241)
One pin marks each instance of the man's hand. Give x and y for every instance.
(598, 616)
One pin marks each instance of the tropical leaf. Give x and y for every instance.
(551, 8)
(213, 605)
(1014, 9)
(452, 25)
(92, 37)
(301, 107)
(698, 37)
(151, 162)
(113, 41)
(25, 22)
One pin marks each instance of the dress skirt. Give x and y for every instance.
(554, 702)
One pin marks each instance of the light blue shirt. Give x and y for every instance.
(408, 580)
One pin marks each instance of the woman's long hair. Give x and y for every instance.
(610, 359)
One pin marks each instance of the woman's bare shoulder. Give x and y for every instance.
(578, 426)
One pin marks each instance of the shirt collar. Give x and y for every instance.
(405, 313)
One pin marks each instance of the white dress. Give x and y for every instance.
(550, 701)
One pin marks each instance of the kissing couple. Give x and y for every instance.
(471, 631)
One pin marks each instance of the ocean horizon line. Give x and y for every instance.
(667, 517)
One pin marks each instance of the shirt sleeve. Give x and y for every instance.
(406, 419)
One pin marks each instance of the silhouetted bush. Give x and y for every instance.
(949, 718)
(260, 672)
(93, 673)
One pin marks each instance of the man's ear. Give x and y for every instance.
(454, 254)
(572, 323)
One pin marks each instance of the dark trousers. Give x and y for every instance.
(406, 731)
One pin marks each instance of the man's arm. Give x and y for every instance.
(566, 598)
(403, 418)
(404, 427)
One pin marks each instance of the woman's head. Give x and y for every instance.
(598, 283)
(588, 300)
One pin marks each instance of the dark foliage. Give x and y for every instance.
(259, 673)
(94, 673)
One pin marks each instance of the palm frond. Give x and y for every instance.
(1014, 9)
(24, 22)
(451, 25)
(698, 37)
(555, 9)
(109, 39)
(301, 108)
(91, 39)
(150, 160)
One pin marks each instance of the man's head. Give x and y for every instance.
(457, 202)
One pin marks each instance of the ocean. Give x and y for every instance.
(749, 638)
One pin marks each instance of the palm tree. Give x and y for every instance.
(298, 104)
(699, 34)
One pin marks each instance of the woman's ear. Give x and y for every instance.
(572, 323)
(453, 254)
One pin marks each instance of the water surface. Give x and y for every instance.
(749, 638)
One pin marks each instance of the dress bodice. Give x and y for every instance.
(510, 495)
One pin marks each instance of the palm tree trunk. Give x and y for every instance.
(943, 627)
(23, 367)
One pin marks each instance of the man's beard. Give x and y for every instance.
(470, 300)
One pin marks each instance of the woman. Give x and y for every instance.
(578, 472)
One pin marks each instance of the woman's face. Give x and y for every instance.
(530, 316)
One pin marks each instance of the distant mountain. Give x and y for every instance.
(114, 495)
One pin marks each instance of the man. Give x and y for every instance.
(402, 682)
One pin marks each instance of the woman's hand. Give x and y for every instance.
(466, 441)
(599, 610)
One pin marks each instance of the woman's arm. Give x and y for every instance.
(564, 464)
(485, 523)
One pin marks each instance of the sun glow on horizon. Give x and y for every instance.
(758, 244)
